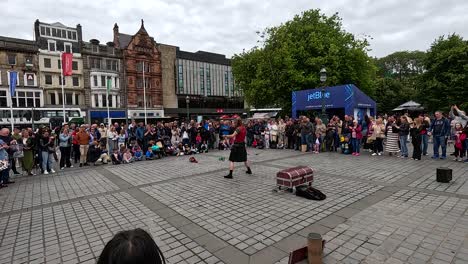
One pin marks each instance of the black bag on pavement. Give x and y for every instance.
(310, 193)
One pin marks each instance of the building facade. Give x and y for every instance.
(143, 73)
(52, 40)
(21, 56)
(103, 70)
(205, 81)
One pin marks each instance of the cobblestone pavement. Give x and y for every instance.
(378, 210)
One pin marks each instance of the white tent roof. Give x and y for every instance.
(410, 105)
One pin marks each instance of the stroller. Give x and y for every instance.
(345, 146)
(167, 145)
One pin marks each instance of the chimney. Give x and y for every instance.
(80, 37)
(116, 36)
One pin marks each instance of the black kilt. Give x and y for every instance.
(238, 153)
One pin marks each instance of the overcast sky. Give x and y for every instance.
(228, 28)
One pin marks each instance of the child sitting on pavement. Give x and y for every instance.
(127, 157)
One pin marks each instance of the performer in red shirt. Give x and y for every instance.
(238, 151)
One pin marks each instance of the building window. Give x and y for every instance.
(68, 98)
(74, 65)
(226, 83)
(59, 33)
(52, 99)
(104, 100)
(11, 59)
(42, 31)
(27, 99)
(95, 48)
(48, 31)
(208, 81)
(30, 79)
(95, 63)
(60, 80)
(76, 81)
(28, 60)
(59, 64)
(110, 100)
(116, 81)
(140, 83)
(140, 66)
(202, 80)
(95, 81)
(54, 32)
(180, 78)
(52, 45)
(47, 63)
(111, 65)
(74, 35)
(48, 79)
(96, 100)
(111, 50)
(103, 81)
(3, 98)
(77, 99)
(69, 35)
(68, 47)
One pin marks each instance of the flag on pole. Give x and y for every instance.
(109, 85)
(67, 59)
(13, 80)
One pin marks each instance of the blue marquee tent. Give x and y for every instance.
(348, 97)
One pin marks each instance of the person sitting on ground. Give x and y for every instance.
(116, 157)
(156, 150)
(203, 147)
(180, 150)
(149, 154)
(194, 149)
(187, 150)
(94, 152)
(131, 247)
(127, 157)
(137, 154)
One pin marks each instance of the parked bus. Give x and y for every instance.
(34, 117)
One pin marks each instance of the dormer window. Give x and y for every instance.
(95, 48)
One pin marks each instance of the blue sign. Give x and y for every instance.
(347, 96)
(317, 95)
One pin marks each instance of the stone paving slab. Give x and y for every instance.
(145, 172)
(458, 185)
(408, 227)
(245, 212)
(381, 169)
(38, 190)
(77, 232)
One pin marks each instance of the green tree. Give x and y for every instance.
(398, 78)
(445, 81)
(292, 56)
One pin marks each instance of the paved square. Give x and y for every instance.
(378, 210)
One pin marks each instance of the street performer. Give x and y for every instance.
(238, 151)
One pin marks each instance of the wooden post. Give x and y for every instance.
(314, 248)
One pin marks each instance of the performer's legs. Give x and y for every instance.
(231, 168)
(247, 165)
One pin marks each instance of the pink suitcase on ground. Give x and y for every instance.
(295, 176)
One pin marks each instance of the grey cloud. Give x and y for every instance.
(230, 27)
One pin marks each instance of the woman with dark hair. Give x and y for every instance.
(238, 151)
(132, 246)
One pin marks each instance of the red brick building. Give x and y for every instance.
(141, 57)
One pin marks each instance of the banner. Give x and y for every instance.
(109, 85)
(13, 80)
(67, 59)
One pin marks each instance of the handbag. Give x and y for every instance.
(18, 154)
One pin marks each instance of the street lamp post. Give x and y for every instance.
(323, 79)
(187, 100)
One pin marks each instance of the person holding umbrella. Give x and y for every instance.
(238, 151)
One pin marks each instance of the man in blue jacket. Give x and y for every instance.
(440, 130)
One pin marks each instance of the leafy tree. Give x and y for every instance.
(398, 78)
(292, 55)
(445, 81)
